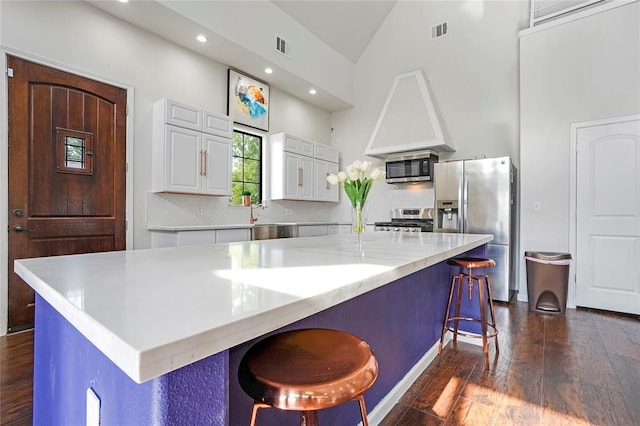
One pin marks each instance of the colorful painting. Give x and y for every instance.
(248, 101)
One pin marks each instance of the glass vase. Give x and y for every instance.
(359, 219)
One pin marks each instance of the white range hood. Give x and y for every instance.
(409, 120)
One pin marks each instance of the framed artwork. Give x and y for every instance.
(248, 101)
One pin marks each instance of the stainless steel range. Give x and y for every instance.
(408, 220)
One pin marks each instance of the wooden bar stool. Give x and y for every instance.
(308, 370)
(483, 283)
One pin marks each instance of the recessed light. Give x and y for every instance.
(123, 1)
(268, 70)
(201, 38)
(312, 91)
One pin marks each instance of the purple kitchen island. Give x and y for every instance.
(157, 335)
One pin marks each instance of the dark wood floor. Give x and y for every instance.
(582, 368)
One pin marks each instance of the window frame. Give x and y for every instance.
(255, 198)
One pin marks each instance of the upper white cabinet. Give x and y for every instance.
(326, 152)
(299, 169)
(323, 190)
(217, 124)
(191, 150)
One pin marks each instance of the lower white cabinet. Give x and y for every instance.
(345, 229)
(161, 239)
(317, 230)
(312, 230)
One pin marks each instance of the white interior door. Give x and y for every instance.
(608, 216)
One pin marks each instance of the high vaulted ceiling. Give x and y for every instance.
(345, 26)
(332, 33)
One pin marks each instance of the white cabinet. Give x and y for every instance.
(216, 177)
(299, 169)
(217, 124)
(323, 190)
(191, 150)
(312, 230)
(326, 152)
(291, 172)
(161, 239)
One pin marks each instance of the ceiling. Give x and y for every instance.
(346, 27)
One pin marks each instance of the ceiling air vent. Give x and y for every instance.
(439, 30)
(283, 46)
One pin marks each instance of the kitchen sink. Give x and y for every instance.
(274, 230)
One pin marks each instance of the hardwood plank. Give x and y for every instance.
(605, 408)
(560, 358)
(440, 394)
(628, 372)
(16, 378)
(395, 416)
(562, 400)
(468, 412)
(615, 338)
(522, 402)
(487, 386)
(414, 417)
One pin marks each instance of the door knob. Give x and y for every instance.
(20, 228)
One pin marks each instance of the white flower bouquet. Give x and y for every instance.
(357, 181)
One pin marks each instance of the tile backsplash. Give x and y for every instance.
(167, 209)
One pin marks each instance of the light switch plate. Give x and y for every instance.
(93, 408)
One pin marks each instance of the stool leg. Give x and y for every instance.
(363, 411)
(456, 321)
(493, 317)
(483, 323)
(309, 418)
(446, 315)
(254, 411)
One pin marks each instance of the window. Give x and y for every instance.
(246, 175)
(74, 151)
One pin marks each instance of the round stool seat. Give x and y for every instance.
(471, 262)
(308, 369)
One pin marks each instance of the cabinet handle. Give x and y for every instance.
(201, 166)
(327, 184)
(300, 177)
(205, 163)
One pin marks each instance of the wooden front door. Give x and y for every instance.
(67, 171)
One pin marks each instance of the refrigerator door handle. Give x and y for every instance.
(465, 204)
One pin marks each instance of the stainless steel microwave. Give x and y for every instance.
(410, 167)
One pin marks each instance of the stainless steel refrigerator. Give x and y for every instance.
(480, 197)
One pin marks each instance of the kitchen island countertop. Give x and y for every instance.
(154, 311)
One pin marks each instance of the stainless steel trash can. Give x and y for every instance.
(547, 280)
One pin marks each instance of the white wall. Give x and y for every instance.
(102, 47)
(584, 69)
(473, 72)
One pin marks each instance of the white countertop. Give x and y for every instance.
(154, 311)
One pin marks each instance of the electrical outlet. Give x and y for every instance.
(199, 211)
(288, 212)
(93, 408)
